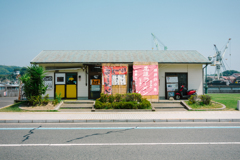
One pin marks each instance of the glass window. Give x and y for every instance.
(71, 78)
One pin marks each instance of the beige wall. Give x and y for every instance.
(50, 91)
(82, 89)
(194, 76)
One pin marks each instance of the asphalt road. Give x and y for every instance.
(4, 101)
(120, 141)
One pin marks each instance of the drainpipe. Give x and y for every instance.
(206, 86)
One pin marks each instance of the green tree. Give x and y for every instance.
(23, 70)
(33, 81)
(4, 71)
(229, 72)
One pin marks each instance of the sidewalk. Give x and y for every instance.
(96, 117)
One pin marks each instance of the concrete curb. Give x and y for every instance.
(185, 105)
(189, 108)
(58, 106)
(117, 120)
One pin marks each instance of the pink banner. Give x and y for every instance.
(146, 79)
(107, 74)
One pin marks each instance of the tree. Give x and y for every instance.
(4, 71)
(229, 72)
(23, 70)
(33, 81)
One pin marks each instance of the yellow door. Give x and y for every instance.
(60, 89)
(71, 91)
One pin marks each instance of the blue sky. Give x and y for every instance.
(29, 26)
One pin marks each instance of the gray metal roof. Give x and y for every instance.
(119, 56)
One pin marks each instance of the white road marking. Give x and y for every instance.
(120, 144)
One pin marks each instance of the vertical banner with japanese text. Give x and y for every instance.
(146, 79)
(107, 76)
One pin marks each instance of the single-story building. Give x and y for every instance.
(84, 74)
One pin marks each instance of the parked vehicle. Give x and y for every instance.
(184, 93)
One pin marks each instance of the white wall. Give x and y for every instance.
(82, 89)
(50, 91)
(195, 80)
(194, 76)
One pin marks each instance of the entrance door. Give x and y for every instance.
(71, 85)
(94, 82)
(66, 85)
(182, 80)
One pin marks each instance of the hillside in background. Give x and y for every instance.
(226, 73)
(8, 69)
(229, 72)
(7, 73)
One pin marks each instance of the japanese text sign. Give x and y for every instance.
(146, 79)
(107, 76)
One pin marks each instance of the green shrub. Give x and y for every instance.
(55, 102)
(111, 98)
(45, 100)
(122, 101)
(58, 97)
(129, 105)
(103, 98)
(118, 97)
(145, 104)
(205, 99)
(98, 105)
(138, 97)
(107, 106)
(117, 105)
(130, 97)
(192, 99)
(35, 100)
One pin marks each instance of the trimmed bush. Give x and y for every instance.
(122, 101)
(144, 104)
(111, 99)
(130, 97)
(107, 106)
(98, 104)
(205, 99)
(103, 98)
(129, 105)
(118, 97)
(192, 99)
(138, 97)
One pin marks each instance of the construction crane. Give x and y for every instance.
(157, 41)
(217, 60)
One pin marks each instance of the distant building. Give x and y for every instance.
(2, 87)
(236, 75)
(230, 79)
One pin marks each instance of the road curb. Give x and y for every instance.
(117, 120)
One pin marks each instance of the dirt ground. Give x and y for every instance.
(49, 106)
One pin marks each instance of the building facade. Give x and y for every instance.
(84, 74)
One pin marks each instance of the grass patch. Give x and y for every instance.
(15, 108)
(229, 100)
(197, 106)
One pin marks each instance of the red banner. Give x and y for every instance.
(119, 70)
(107, 75)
